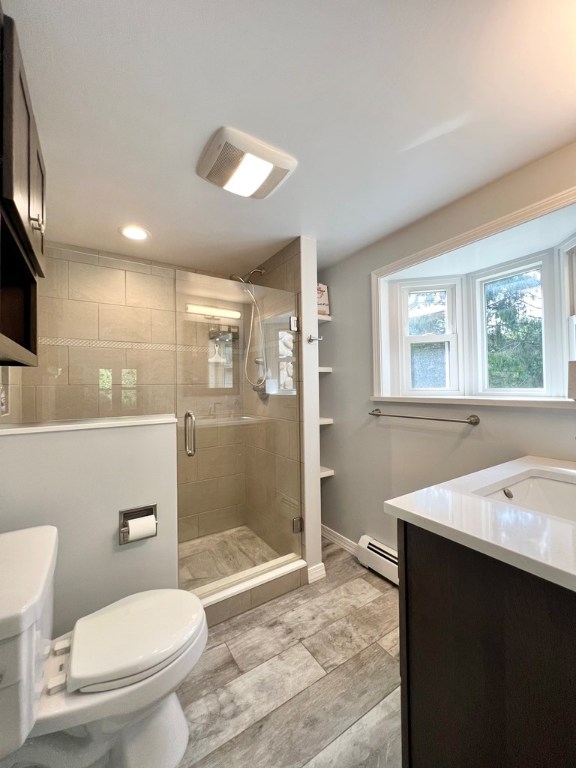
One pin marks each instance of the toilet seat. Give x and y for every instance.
(131, 639)
(64, 710)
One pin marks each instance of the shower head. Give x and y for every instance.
(246, 278)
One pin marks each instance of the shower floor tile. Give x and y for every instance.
(218, 555)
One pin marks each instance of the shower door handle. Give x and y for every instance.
(190, 433)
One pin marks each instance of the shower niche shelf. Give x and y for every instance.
(326, 472)
(324, 420)
(325, 369)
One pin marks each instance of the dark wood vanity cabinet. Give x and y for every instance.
(488, 660)
(22, 208)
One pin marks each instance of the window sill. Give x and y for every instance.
(495, 402)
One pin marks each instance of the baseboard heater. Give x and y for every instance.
(377, 556)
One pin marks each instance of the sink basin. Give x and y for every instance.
(551, 492)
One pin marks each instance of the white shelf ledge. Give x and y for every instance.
(325, 420)
(325, 369)
(326, 472)
(324, 319)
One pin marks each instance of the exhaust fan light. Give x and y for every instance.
(213, 312)
(244, 165)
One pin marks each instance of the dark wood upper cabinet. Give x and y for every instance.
(23, 171)
(22, 208)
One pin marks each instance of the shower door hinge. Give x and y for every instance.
(297, 525)
(294, 323)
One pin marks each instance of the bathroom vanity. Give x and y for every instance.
(488, 618)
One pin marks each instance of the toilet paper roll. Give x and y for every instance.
(141, 528)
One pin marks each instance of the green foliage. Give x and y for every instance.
(514, 331)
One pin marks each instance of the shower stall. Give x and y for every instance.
(237, 398)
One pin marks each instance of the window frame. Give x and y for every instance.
(391, 369)
(402, 341)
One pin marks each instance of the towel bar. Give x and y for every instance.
(473, 420)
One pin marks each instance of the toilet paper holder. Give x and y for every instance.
(133, 514)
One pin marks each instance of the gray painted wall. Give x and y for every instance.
(376, 459)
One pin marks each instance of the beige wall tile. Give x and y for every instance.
(288, 477)
(62, 318)
(113, 262)
(219, 461)
(136, 401)
(93, 283)
(278, 437)
(55, 403)
(186, 399)
(163, 271)
(260, 465)
(149, 291)
(187, 468)
(188, 528)
(274, 588)
(185, 329)
(163, 330)
(52, 368)
(152, 366)
(220, 520)
(229, 435)
(230, 490)
(294, 440)
(206, 437)
(124, 323)
(84, 255)
(194, 498)
(255, 434)
(225, 609)
(29, 404)
(86, 362)
(55, 284)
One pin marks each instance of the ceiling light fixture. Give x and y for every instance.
(134, 232)
(213, 312)
(244, 165)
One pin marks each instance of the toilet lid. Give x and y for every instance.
(117, 645)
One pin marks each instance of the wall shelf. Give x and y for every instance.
(324, 319)
(326, 472)
(325, 420)
(325, 369)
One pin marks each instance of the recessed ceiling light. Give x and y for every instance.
(134, 232)
(243, 164)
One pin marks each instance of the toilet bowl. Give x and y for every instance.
(103, 694)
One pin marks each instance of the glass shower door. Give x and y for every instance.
(237, 372)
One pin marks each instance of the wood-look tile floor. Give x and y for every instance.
(308, 680)
(213, 557)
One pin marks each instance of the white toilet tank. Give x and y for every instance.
(27, 563)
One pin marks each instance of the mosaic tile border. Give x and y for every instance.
(48, 341)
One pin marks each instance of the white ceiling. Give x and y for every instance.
(525, 239)
(392, 107)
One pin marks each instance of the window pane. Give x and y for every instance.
(427, 312)
(513, 315)
(428, 365)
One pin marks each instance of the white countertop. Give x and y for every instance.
(539, 543)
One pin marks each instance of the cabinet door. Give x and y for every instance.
(23, 176)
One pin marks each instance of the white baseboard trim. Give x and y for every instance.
(316, 572)
(337, 538)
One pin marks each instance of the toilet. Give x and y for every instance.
(103, 695)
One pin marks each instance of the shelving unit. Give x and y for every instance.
(324, 420)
